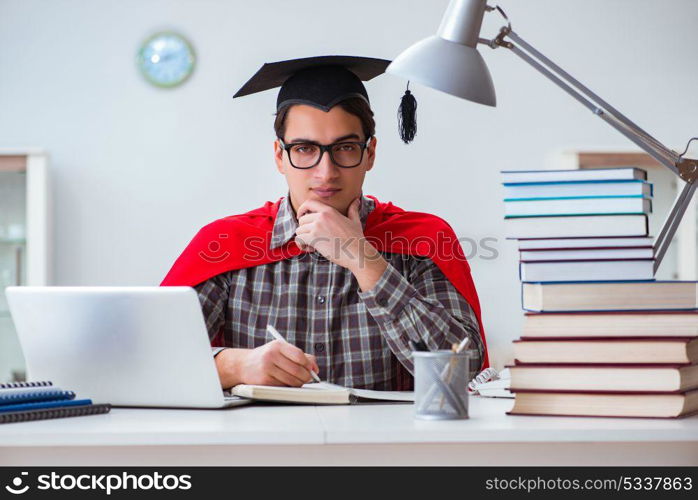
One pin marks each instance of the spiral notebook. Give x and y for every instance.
(30, 392)
(22, 385)
(17, 396)
(24, 401)
(46, 413)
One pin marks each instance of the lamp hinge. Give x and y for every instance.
(499, 40)
(688, 169)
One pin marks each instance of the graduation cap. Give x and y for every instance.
(324, 81)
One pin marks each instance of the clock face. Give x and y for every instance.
(166, 59)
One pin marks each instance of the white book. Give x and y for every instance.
(587, 254)
(567, 189)
(577, 206)
(611, 324)
(577, 243)
(576, 226)
(596, 174)
(610, 296)
(600, 270)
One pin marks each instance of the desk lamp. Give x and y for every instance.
(450, 62)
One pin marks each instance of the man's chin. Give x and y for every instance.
(333, 202)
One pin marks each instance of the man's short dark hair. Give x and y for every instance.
(354, 105)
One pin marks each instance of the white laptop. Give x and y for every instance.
(128, 346)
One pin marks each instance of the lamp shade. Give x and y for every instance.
(447, 66)
(449, 61)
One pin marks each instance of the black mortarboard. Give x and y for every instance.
(317, 81)
(321, 81)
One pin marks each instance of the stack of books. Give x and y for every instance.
(601, 336)
(615, 349)
(24, 401)
(580, 224)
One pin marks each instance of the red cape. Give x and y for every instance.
(241, 241)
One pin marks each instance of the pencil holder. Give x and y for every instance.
(441, 384)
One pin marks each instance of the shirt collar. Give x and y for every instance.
(286, 222)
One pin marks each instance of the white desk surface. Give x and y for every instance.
(488, 423)
(373, 423)
(368, 429)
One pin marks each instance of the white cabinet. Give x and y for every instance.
(24, 241)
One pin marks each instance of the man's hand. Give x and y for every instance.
(340, 239)
(324, 229)
(274, 363)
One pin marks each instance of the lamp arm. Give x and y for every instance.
(684, 168)
(671, 224)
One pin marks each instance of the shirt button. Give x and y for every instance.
(382, 301)
(321, 299)
(319, 347)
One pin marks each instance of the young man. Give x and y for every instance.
(339, 274)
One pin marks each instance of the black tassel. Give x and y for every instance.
(407, 116)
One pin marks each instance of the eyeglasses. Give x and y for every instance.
(308, 154)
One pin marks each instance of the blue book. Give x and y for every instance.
(588, 175)
(581, 205)
(44, 404)
(577, 189)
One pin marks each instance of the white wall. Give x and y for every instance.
(138, 170)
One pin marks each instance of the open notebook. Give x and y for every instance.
(318, 393)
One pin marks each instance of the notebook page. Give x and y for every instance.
(384, 395)
(366, 393)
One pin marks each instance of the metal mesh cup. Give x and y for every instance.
(473, 366)
(441, 384)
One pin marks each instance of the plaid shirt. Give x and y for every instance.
(357, 337)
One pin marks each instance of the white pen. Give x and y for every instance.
(464, 343)
(274, 333)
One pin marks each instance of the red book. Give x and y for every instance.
(611, 324)
(657, 350)
(603, 378)
(605, 405)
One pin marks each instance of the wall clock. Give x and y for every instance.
(166, 59)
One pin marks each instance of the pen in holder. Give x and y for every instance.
(441, 374)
